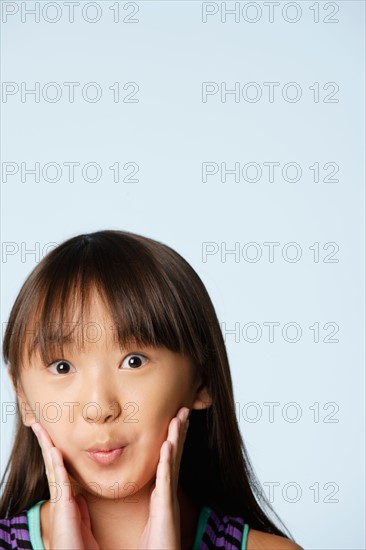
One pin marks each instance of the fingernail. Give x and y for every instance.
(186, 414)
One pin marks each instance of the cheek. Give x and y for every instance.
(156, 411)
(59, 430)
(59, 421)
(157, 407)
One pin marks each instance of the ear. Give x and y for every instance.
(203, 399)
(26, 412)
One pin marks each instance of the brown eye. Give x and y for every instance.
(134, 361)
(61, 367)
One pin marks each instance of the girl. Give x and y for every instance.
(111, 341)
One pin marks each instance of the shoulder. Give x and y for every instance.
(257, 540)
(15, 530)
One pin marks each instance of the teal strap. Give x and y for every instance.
(34, 525)
(202, 520)
(245, 537)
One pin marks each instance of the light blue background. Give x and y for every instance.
(169, 133)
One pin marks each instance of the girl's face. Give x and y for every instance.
(104, 398)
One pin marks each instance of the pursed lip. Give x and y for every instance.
(105, 448)
(105, 454)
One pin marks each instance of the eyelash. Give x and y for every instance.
(54, 363)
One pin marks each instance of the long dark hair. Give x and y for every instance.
(156, 297)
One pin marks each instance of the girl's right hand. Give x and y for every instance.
(68, 521)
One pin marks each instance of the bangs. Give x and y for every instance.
(143, 293)
(66, 321)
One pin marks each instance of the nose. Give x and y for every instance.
(101, 412)
(102, 403)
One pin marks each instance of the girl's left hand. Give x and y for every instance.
(163, 526)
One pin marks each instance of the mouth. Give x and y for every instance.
(106, 457)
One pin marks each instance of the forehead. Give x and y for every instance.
(74, 332)
(95, 312)
(96, 323)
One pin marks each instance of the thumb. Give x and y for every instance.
(84, 510)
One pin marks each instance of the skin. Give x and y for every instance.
(69, 524)
(120, 501)
(135, 502)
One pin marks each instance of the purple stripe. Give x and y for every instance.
(17, 530)
(226, 518)
(228, 522)
(211, 533)
(235, 532)
(19, 518)
(222, 531)
(227, 529)
(22, 534)
(4, 536)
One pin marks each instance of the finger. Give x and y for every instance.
(164, 472)
(62, 481)
(176, 435)
(182, 428)
(175, 429)
(167, 473)
(46, 445)
(84, 511)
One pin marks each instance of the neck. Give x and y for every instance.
(120, 523)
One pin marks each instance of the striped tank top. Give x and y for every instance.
(214, 531)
